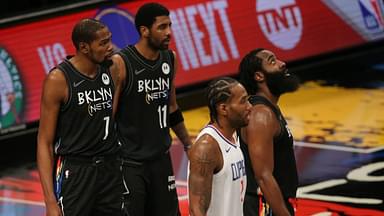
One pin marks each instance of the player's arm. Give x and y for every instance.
(54, 93)
(176, 117)
(259, 134)
(118, 72)
(205, 160)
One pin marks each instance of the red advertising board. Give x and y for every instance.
(209, 37)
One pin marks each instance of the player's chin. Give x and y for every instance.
(108, 56)
(107, 62)
(165, 45)
(244, 122)
(247, 118)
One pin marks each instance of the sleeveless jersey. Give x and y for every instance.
(229, 184)
(143, 113)
(284, 171)
(85, 126)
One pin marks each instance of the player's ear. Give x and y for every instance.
(222, 109)
(259, 76)
(84, 47)
(144, 31)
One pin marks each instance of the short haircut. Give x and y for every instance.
(219, 91)
(147, 13)
(85, 31)
(247, 68)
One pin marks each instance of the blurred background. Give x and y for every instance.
(336, 47)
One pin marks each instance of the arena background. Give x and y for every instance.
(335, 46)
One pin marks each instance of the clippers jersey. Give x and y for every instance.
(143, 112)
(284, 171)
(229, 184)
(85, 125)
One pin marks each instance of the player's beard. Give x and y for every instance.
(106, 63)
(280, 83)
(238, 121)
(157, 45)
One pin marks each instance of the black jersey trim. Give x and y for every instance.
(71, 67)
(255, 99)
(63, 68)
(171, 59)
(141, 60)
(128, 70)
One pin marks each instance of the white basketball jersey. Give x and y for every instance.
(229, 184)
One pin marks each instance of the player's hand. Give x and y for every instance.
(52, 209)
(187, 150)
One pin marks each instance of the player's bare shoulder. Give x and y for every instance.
(205, 147)
(261, 112)
(117, 69)
(55, 85)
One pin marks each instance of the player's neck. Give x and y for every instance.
(84, 66)
(265, 92)
(225, 130)
(146, 51)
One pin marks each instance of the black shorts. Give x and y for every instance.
(255, 205)
(150, 187)
(89, 186)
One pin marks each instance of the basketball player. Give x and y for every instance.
(76, 140)
(217, 177)
(147, 109)
(267, 142)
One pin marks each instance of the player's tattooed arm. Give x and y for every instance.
(204, 161)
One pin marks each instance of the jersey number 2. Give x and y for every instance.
(162, 110)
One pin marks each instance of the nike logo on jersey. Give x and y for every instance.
(75, 84)
(227, 150)
(137, 72)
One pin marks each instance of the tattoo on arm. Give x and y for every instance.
(200, 182)
(204, 164)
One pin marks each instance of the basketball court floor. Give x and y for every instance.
(339, 134)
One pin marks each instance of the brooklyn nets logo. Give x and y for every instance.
(11, 91)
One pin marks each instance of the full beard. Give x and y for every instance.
(280, 83)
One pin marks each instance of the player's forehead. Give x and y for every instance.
(266, 54)
(160, 20)
(103, 33)
(238, 91)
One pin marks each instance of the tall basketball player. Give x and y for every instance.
(217, 177)
(267, 142)
(147, 109)
(77, 145)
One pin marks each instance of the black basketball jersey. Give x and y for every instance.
(143, 113)
(284, 171)
(85, 125)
